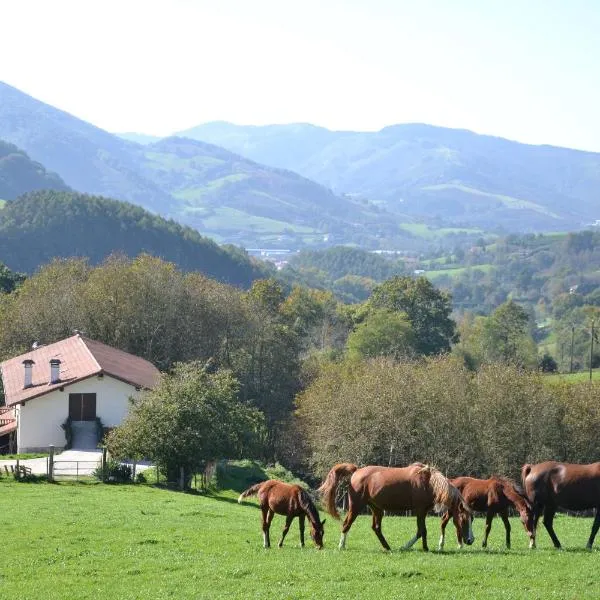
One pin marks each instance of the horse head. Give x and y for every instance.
(317, 531)
(464, 517)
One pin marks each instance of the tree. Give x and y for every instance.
(507, 338)
(382, 333)
(427, 308)
(193, 416)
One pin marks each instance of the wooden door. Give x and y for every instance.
(82, 407)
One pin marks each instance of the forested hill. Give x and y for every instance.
(88, 158)
(41, 225)
(455, 175)
(19, 174)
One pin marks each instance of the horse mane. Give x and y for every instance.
(308, 506)
(445, 495)
(514, 489)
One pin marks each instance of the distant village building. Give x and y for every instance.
(75, 377)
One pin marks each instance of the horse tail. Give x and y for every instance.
(251, 491)
(330, 486)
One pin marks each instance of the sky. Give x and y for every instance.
(527, 70)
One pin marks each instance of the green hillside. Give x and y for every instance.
(433, 173)
(222, 194)
(46, 224)
(87, 158)
(19, 174)
(229, 196)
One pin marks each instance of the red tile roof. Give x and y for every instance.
(80, 358)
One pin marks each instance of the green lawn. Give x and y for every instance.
(97, 542)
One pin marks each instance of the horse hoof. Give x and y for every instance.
(588, 547)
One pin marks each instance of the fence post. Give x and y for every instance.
(18, 470)
(133, 468)
(51, 465)
(181, 478)
(103, 464)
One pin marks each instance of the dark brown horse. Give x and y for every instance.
(552, 485)
(493, 497)
(277, 497)
(418, 488)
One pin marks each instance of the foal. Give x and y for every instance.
(289, 500)
(493, 496)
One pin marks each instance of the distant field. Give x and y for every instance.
(572, 377)
(430, 233)
(436, 273)
(92, 542)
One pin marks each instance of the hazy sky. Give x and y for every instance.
(524, 69)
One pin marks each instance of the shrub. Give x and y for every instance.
(113, 472)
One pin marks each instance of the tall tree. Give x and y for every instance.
(427, 308)
(507, 338)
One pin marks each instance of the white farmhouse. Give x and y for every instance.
(76, 377)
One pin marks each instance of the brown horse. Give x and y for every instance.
(552, 485)
(492, 496)
(417, 487)
(289, 500)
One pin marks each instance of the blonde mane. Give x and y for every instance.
(446, 496)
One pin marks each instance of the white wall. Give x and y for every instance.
(41, 418)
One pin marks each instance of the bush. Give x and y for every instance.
(548, 364)
(113, 472)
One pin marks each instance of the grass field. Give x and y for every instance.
(94, 541)
(573, 377)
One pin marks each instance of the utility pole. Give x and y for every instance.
(572, 338)
(592, 350)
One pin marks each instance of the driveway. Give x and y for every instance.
(67, 463)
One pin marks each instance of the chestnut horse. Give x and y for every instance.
(289, 500)
(552, 485)
(492, 496)
(417, 487)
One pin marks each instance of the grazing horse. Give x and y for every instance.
(552, 485)
(417, 487)
(493, 496)
(289, 500)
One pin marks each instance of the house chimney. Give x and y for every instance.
(28, 364)
(54, 370)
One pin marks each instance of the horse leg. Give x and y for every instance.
(549, 513)
(267, 517)
(288, 522)
(421, 533)
(351, 515)
(376, 526)
(301, 524)
(489, 517)
(445, 520)
(423, 530)
(537, 511)
(504, 517)
(595, 527)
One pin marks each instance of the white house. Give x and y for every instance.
(76, 377)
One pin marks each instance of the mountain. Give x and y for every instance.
(224, 194)
(138, 138)
(42, 225)
(20, 174)
(432, 173)
(220, 193)
(87, 158)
